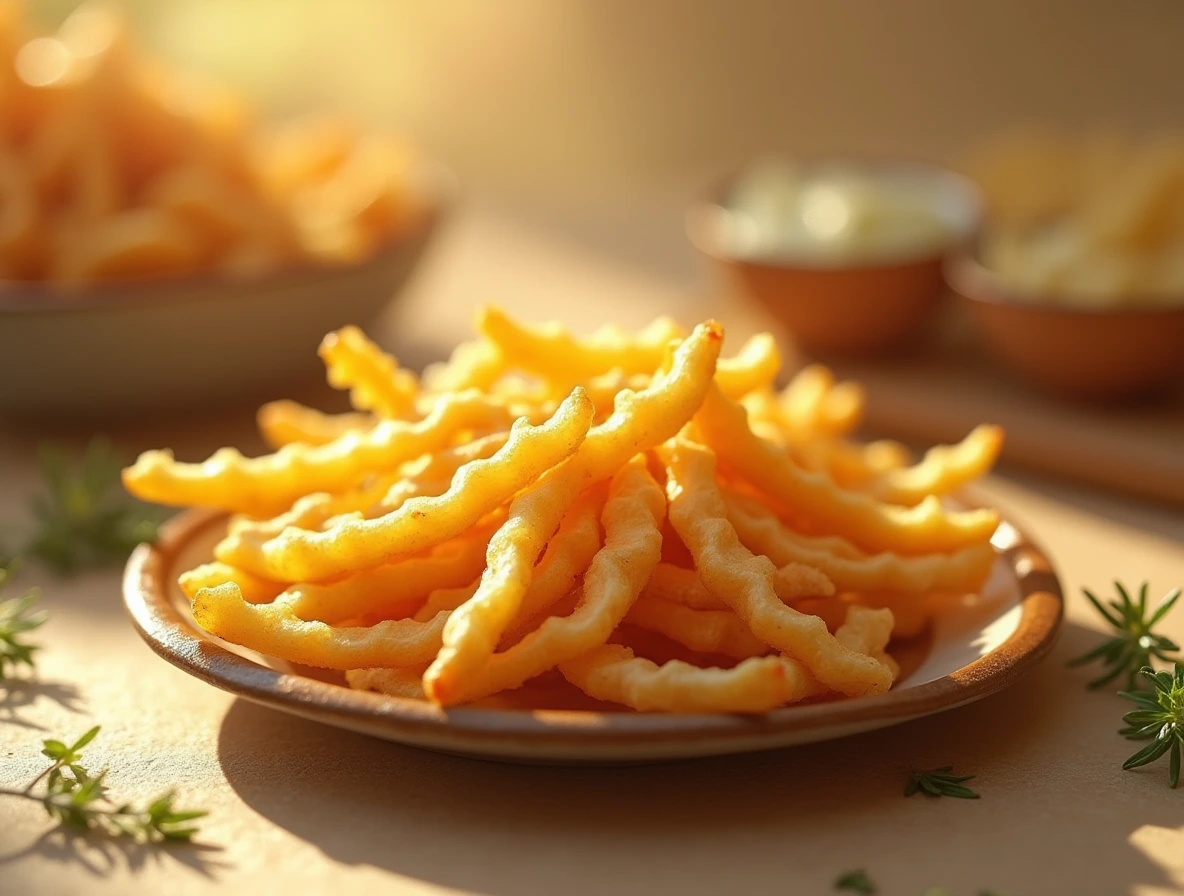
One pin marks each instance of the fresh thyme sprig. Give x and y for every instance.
(855, 882)
(1136, 644)
(1159, 715)
(940, 782)
(75, 798)
(18, 617)
(84, 517)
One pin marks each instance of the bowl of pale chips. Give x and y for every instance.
(588, 548)
(151, 222)
(1077, 283)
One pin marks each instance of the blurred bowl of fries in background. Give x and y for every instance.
(846, 254)
(1077, 283)
(149, 220)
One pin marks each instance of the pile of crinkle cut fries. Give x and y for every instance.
(544, 507)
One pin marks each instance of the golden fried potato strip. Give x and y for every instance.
(640, 421)
(852, 465)
(943, 470)
(924, 528)
(755, 685)
(473, 365)
(563, 564)
(745, 580)
(814, 405)
(430, 475)
(255, 590)
(297, 555)
(396, 589)
(264, 485)
(683, 586)
(374, 379)
(632, 519)
(753, 368)
(284, 422)
(708, 631)
(611, 672)
(849, 568)
(406, 683)
(552, 352)
(276, 630)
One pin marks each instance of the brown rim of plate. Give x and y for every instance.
(158, 620)
(973, 280)
(37, 298)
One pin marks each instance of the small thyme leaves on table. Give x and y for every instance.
(83, 517)
(1135, 644)
(18, 617)
(75, 798)
(855, 882)
(1159, 716)
(940, 782)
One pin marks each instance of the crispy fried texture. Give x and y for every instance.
(374, 379)
(641, 421)
(284, 422)
(479, 487)
(850, 569)
(924, 528)
(745, 580)
(263, 485)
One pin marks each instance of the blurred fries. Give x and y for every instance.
(1096, 221)
(114, 168)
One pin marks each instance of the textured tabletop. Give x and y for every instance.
(300, 808)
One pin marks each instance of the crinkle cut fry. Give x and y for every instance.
(632, 519)
(255, 590)
(641, 421)
(374, 379)
(473, 365)
(707, 631)
(478, 488)
(763, 533)
(683, 586)
(396, 589)
(385, 492)
(273, 482)
(943, 470)
(553, 352)
(745, 580)
(283, 422)
(405, 683)
(924, 528)
(612, 673)
(754, 367)
(564, 562)
(276, 630)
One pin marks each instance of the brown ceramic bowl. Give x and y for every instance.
(850, 307)
(1081, 353)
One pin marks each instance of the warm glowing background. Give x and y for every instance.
(574, 94)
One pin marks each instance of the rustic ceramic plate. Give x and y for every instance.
(980, 646)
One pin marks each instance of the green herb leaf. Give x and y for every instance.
(84, 518)
(74, 798)
(1135, 645)
(1159, 716)
(855, 882)
(18, 617)
(940, 782)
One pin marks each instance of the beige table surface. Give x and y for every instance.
(299, 808)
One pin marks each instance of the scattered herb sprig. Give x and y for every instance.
(855, 882)
(1135, 644)
(77, 799)
(83, 517)
(940, 782)
(18, 617)
(1159, 716)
